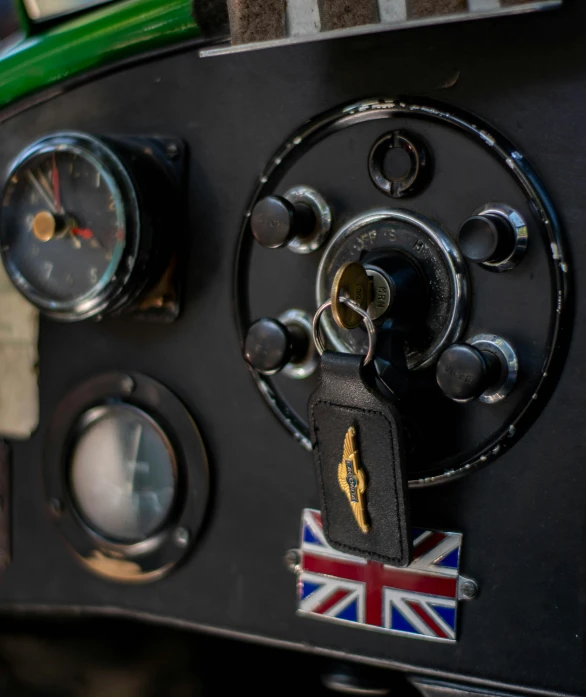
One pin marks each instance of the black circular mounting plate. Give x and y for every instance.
(474, 167)
(155, 556)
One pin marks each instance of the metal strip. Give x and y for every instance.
(374, 28)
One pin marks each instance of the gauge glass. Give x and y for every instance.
(62, 226)
(122, 473)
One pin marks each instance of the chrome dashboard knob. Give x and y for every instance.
(275, 222)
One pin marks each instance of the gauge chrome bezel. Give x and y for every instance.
(113, 282)
(154, 556)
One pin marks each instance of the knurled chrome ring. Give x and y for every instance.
(368, 323)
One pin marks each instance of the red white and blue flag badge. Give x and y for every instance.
(419, 601)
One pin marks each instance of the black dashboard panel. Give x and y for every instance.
(522, 517)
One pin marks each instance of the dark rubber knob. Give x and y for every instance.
(270, 345)
(486, 238)
(275, 221)
(464, 373)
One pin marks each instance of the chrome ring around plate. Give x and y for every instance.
(307, 366)
(507, 355)
(323, 216)
(455, 264)
(520, 228)
(370, 328)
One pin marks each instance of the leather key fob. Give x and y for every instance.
(358, 450)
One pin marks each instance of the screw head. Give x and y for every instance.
(292, 560)
(56, 506)
(172, 151)
(181, 537)
(468, 589)
(127, 385)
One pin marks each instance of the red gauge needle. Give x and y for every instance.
(55, 182)
(84, 233)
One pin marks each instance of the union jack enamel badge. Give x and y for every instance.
(419, 601)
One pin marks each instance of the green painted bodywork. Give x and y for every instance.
(92, 40)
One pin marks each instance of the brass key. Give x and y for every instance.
(351, 282)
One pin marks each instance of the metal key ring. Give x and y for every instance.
(370, 328)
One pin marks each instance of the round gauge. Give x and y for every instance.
(122, 473)
(69, 225)
(126, 476)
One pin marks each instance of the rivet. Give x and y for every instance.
(468, 589)
(56, 506)
(172, 151)
(127, 385)
(181, 537)
(292, 560)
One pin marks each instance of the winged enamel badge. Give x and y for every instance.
(352, 480)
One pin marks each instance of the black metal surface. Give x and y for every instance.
(76, 657)
(523, 518)
(430, 688)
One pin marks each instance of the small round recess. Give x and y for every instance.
(400, 177)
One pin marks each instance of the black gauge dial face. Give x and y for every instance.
(63, 225)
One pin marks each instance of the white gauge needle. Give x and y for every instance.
(51, 191)
(132, 452)
(41, 191)
(133, 444)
